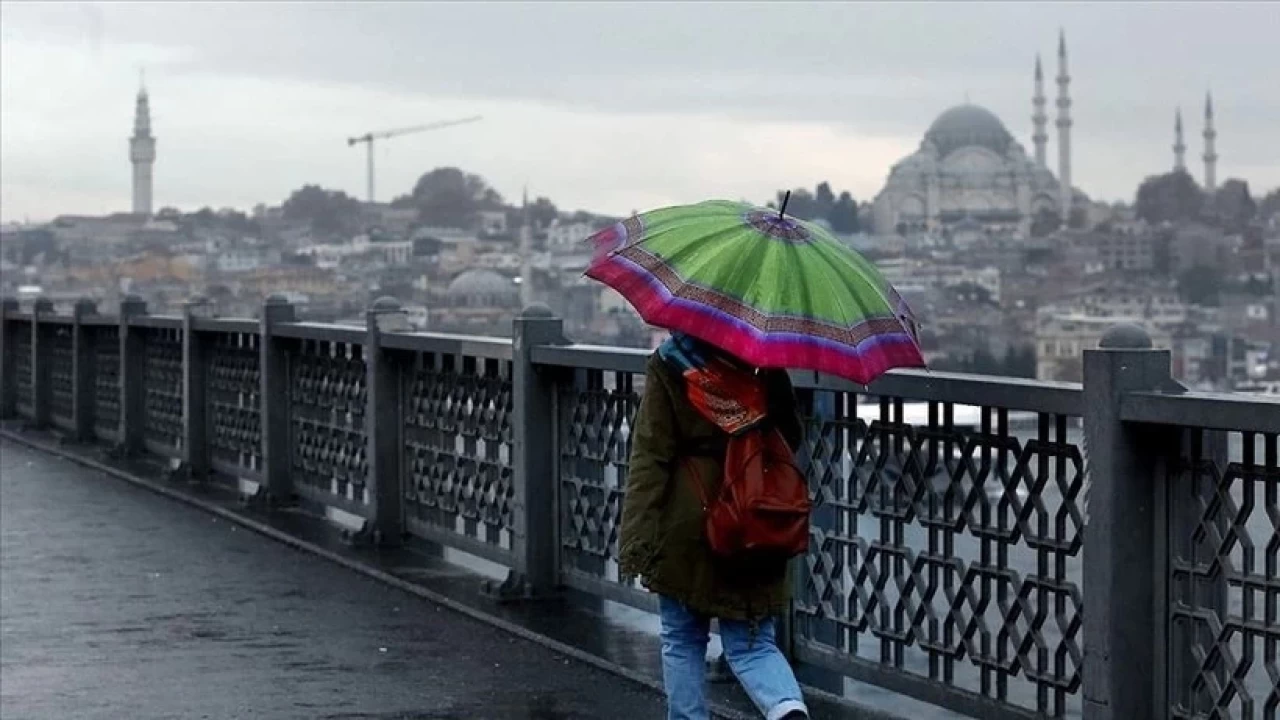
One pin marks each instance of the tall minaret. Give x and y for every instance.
(1039, 119)
(1179, 147)
(142, 153)
(526, 252)
(1064, 129)
(1210, 153)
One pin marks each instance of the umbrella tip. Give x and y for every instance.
(785, 199)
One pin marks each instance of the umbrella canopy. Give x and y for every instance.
(773, 290)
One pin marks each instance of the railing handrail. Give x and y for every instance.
(1216, 411)
(166, 322)
(228, 324)
(1011, 393)
(57, 319)
(592, 357)
(328, 332)
(449, 344)
(979, 390)
(100, 320)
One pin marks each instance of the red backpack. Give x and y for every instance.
(763, 505)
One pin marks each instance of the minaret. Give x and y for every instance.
(1039, 119)
(526, 253)
(142, 153)
(1179, 147)
(1064, 130)
(1210, 153)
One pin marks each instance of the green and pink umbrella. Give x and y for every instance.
(773, 290)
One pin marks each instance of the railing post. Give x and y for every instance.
(273, 374)
(133, 394)
(40, 386)
(82, 407)
(1123, 555)
(534, 537)
(8, 379)
(384, 420)
(195, 374)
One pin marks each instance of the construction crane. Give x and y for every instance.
(370, 137)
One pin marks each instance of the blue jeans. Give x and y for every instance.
(756, 661)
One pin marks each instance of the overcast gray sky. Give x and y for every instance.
(603, 106)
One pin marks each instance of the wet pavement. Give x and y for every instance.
(119, 603)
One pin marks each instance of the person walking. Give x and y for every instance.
(715, 503)
(695, 397)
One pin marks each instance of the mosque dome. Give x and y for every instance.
(481, 283)
(968, 125)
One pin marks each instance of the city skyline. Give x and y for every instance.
(278, 125)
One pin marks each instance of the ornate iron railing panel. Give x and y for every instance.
(234, 400)
(327, 406)
(61, 371)
(457, 463)
(1224, 576)
(24, 399)
(162, 382)
(597, 408)
(944, 561)
(105, 343)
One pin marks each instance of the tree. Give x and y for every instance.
(448, 197)
(844, 215)
(1200, 285)
(239, 222)
(1020, 361)
(984, 362)
(1234, 206)
(1170, 197)
(542, 212)
(801, 204)
(840, 213)
(204, 217)
(1270, 204)
(823, 200)
(328, 212)
(1078, 218)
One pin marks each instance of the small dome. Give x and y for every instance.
(481, 283)
(966, 125)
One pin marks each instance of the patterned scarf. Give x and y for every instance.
(724, 392)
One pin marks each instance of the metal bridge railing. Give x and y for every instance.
(1001, 548)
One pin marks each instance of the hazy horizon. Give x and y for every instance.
(605, 107)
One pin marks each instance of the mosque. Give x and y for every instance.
(971, 172)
